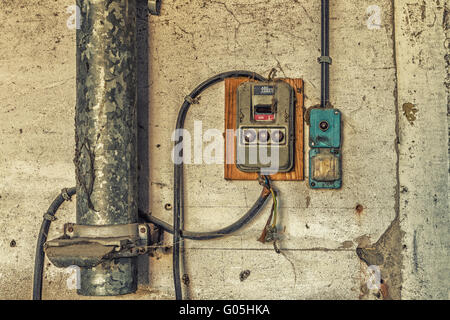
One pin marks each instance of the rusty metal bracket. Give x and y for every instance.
(88, 246)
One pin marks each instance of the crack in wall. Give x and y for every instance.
(387, 251)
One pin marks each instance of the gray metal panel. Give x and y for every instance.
(284, 119)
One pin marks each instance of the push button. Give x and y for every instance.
(249, 136)
(264, 136)
(277, 136)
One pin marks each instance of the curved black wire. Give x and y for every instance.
(178, 167)
(210, 235)
(42, 238)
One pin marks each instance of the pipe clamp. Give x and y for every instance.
(88, 246)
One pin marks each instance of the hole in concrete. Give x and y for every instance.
(359, 208)
(186, 280)
(244, 275)
(168, 206)
(13, 244)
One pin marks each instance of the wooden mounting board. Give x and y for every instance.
(231, 171)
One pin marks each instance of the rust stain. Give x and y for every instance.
(409, 111)
(359, 209)
(384, 289)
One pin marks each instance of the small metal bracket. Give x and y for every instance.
(49, 217)
(65, 194)
(325, 59)
(143, 232)
(154, 7)
(191, 100)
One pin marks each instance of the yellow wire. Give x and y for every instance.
(274, 197)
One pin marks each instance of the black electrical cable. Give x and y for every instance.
(325, 79)
(178, 167)
(210, 235)
(42, 238)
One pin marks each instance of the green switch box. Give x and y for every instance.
(325, 165)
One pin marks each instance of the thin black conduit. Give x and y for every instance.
(325, 79)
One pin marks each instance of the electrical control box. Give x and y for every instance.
(325, 166)
(265, 116)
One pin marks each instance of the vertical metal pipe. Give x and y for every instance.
(325, 25)
(105, 120)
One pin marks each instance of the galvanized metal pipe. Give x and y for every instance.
(105, 119)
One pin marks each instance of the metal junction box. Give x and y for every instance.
(265, 127)
(325, 168)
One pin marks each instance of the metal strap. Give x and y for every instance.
(49, 217)
(65, 194)
(191, 100)
(109, 231)
(325, 59)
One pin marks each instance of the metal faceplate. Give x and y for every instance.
(325, 165)
(325, 128)
(265, 127)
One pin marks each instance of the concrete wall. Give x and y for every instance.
(389, 59)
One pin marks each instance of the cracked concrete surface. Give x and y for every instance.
(395, 168)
